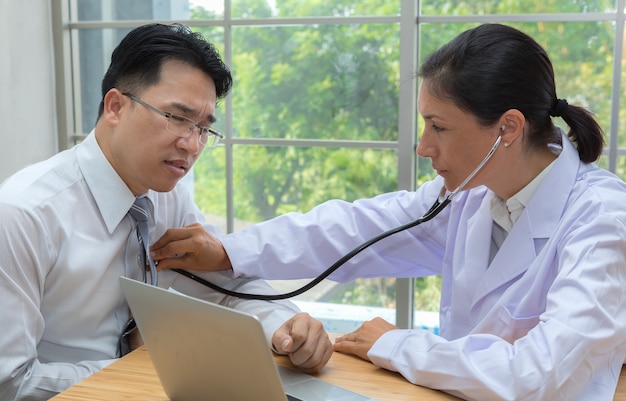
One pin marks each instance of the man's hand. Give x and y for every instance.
(305, 341)
(361, 340)
(190, 248)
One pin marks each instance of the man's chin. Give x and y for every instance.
(165, 187)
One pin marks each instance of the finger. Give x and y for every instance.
(314, 354)
(175, 234)
(316, 364)
(343, 337)
(283, 344)
(178, 262)
(182, 241)
(345, 346)
(281, 340)
(301, 328)
(174, 251)
(312, 346)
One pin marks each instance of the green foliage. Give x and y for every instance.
(372, 292)
(382, 292)
(314, 82)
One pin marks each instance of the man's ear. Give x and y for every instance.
(114, 102)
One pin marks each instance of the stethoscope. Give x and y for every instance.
(440, 203)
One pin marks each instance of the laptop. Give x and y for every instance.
(204, 351)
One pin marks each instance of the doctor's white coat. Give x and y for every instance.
(545, 320)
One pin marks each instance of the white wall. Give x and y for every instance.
(28, 131)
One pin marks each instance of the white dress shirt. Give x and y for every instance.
(545, 321)
(65, 238)
(506, 213)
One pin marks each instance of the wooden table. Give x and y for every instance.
(133, 378)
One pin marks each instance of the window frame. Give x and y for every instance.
(65, 38)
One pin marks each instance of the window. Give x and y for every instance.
(323, 104)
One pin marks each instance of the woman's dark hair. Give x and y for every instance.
(493, 68)
(136, 62)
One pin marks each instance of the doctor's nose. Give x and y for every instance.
(424, 148)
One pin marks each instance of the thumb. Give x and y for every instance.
(282, 342)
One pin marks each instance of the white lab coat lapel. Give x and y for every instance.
(476, 252)
(515, 255)
(529, 234)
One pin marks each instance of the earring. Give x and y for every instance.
(506, 144)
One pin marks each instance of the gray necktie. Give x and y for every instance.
(140, 214)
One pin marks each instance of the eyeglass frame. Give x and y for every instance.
(217, 136)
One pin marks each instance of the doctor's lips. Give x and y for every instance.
(438, 171)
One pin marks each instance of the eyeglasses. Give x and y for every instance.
(182, 126)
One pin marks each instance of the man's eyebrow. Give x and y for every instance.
(188, 110)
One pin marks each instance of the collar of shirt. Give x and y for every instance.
(505, 214)
(110, 192)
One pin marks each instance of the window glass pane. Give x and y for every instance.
(313, 8)
(209, 187)
(316, 82)
(343, 307)
(96, 46)
(621, 165)
(207, 9)
(273, 180)
(484, 7)
(124, 10)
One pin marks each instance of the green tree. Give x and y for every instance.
(312, 82)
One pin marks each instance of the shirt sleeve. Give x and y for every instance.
(294, 246)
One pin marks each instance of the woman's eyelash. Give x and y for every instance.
(436, 128)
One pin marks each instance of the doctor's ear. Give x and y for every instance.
(511, 126)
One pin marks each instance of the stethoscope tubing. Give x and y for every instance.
(435, 209)
(441, 202)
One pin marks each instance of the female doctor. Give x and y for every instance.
(531, 250)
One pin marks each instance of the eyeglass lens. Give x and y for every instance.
(184, 128)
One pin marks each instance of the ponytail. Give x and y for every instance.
(584, 132)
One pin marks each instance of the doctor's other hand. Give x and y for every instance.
(361, 340)
(190, 248)
(306, 342)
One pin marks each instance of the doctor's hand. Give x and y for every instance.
(361, 340)
(190, 248)
(305, 341)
